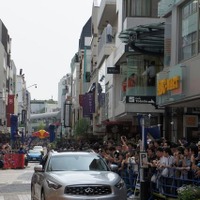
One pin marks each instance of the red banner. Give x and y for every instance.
(10, 108)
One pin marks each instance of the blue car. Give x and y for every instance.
(34, 155)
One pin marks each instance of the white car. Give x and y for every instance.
(40, 148)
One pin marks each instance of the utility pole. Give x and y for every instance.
(144, 122)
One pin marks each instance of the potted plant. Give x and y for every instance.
(189, 192)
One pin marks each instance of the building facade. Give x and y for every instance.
(142, 34)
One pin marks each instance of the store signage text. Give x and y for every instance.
(113, 70)
(141, 99)
(165, 85)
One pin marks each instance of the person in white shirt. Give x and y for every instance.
(108, 32)
(150, 72)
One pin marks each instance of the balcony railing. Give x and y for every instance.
(104, 48)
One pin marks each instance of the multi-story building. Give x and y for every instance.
(177, 85)
(118, 106)
(44, 112)
(143, 33)
(64, 94)
(80, 70)
(6, 76)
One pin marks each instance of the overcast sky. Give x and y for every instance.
(45, 35)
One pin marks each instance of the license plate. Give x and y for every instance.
(34, 158)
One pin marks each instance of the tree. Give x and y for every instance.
(81, 127)
(41, 126)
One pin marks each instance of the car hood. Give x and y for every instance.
(85, 177)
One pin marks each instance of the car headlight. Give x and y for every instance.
(120, 184)
(53, 185)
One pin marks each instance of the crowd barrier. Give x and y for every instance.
(163, 186)
(13, 161)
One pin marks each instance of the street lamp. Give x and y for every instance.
(32, 86)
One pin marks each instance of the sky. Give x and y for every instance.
(45, 36)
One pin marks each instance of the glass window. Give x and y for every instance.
(136, 8)
(189, 17)
(76, 162)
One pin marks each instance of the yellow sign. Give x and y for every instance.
(165, 85)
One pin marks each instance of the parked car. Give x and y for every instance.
(76, 176)
(34, 155)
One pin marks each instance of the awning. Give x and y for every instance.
(148, 39)
(115, 122)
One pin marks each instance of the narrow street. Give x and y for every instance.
(15, 183)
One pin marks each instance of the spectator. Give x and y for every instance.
(21, 150)
(169, 161)
(150, 72)
(108, 32)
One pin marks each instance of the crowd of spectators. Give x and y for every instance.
(179, 160)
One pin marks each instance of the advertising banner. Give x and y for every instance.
(10, 108)
(88, 104)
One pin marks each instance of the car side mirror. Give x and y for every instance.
(114, 167)
(38, 168)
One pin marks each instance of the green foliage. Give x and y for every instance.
(81, 127)
(189, 192)
(41, 126)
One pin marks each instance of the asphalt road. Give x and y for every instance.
(15, 183)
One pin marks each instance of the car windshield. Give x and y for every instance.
(76, 163)
(38, 147)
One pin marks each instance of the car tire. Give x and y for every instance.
(42, 195)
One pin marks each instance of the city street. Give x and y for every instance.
(15, 183)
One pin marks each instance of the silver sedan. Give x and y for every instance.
(76, 176)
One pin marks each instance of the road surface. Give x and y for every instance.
(15, 183)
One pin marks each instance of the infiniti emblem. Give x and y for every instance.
(89, 190)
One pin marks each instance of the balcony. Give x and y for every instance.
(104, 48)
(107, 11)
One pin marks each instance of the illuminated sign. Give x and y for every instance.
(165, 85)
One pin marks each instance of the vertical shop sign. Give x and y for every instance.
(88, 104)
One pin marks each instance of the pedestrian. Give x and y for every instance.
(108, 32)
(150, 72)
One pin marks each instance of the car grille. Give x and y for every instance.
(88, 190)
